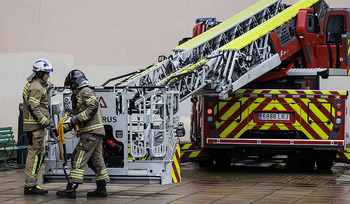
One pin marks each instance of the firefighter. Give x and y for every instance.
(35, 118)
(86, 114)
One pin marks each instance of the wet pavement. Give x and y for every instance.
(246, 182)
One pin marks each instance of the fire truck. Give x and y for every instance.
(282, 111)
(254, 82)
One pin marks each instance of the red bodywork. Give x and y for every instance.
(323, 46)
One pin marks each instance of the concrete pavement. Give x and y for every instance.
(240, 184)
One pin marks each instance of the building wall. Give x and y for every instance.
(102, 38)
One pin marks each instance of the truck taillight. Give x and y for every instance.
(338, 113)
(336, 128)
(209, 111)
(338, 121)
(338, 106)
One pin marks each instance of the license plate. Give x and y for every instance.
(274, 116)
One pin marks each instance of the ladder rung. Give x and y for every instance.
(268, 26)
(181, 71)
(226, 25)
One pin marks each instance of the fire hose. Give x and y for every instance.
(60, 131)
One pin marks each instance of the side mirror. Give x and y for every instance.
(161, 58)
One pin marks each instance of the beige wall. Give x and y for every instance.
(103, 38)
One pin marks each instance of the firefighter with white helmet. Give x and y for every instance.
(36, 118)
(87, 114)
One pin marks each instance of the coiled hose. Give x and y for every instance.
(60, 131)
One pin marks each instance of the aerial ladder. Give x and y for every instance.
(238, 62)
(141, 110)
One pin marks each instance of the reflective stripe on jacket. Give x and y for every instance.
(35, 105)
(88, 111)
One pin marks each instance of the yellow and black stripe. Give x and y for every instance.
(175, 166)
(314, 112)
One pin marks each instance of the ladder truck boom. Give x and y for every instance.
(199, 47)
(240, 61)
(211, 40)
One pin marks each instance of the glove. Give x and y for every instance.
(50, 85)
(47, 123)
(53, 133)
(52, 130)
(74, 120)
(68, 125)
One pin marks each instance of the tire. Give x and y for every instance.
(325, 159)
(292, 162)
(205, 163)
(324, 165)
(307, 159)
(224, 162)
(307, 164)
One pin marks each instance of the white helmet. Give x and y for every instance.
(43, 65)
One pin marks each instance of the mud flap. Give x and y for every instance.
(343, 156)
(191, 152)
(175, 166)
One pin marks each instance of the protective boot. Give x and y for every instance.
(69, 192)
(100, 191)
(36, 190)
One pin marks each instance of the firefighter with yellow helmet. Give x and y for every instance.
(36, 118)
(86, 114)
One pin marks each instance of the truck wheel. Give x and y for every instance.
(224, 162)
(324, 165)
(325, 159)
(205, 163)
(292, 162)
(307, 159)
(307, 164)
